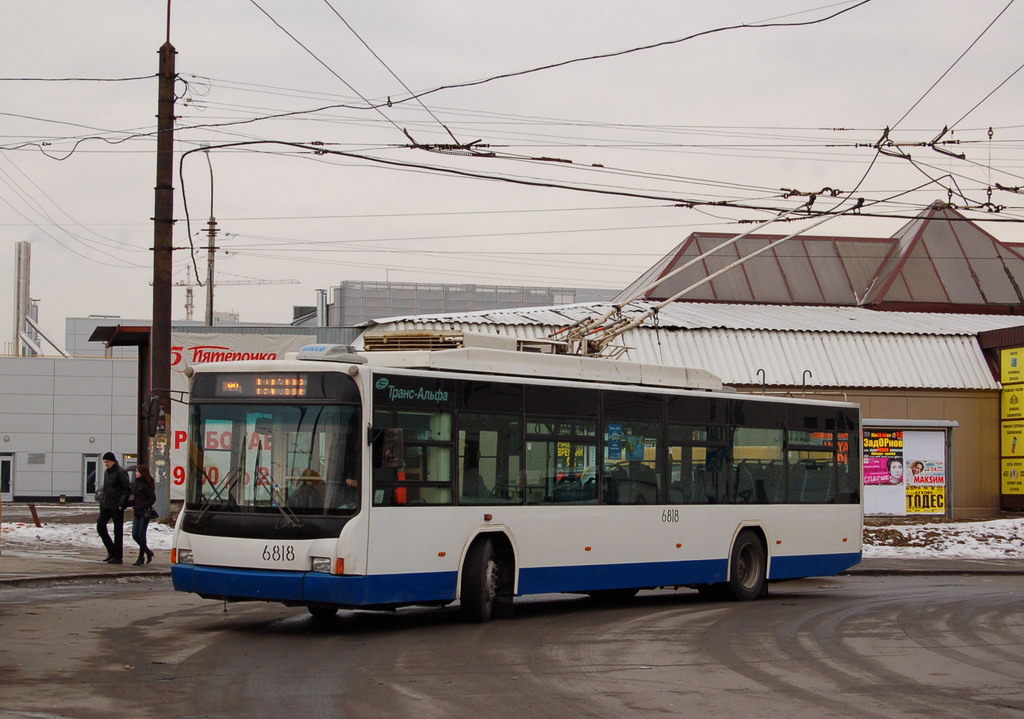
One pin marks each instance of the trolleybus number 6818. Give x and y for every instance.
(278, 553)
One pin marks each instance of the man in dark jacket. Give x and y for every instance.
(113, 500)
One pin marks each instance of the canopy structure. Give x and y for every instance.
(938, 262)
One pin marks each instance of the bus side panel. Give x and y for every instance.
(814, 565)
(586, 548)
(381, 589)
(813, 540)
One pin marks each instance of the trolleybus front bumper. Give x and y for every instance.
(313, 587)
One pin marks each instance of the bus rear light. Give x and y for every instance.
(339, 566)
(322, 564)
(679, 546)
(587, 549)
(442, 554)
(181, 556)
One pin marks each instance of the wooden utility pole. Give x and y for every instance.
(163, 239)
(211, 249)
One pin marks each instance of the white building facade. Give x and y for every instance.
(57, 418)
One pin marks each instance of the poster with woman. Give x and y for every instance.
(883, 457)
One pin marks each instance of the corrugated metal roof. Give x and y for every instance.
(709, 315)
(812, 359)
(812, 347)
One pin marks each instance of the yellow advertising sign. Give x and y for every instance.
(1012, 444)
(1011, 365)
(926, 500)
(1012, 402)
(1013, 476)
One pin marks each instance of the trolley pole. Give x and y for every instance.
(163, 237)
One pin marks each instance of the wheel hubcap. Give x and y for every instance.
(747, 567)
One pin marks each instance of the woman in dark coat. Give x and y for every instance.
(143, 499)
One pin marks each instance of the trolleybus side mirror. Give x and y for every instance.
(152, 414)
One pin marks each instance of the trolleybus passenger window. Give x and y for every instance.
(716, 464)
(687, 460)
(560, 460)
(490, 458)
(847, 473)
(758, 472)
(703, 464)
(632, 474)
(812, 466)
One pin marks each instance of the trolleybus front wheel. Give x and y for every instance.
(479, 582)
(748, 575)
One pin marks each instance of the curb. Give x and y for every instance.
(51, 578)
(950, 572)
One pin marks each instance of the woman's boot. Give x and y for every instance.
(141, 560)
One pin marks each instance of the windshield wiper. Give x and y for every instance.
(277, 500)
(289, 518)
(230, 479)
(229, 483)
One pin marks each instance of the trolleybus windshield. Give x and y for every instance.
(274, 458)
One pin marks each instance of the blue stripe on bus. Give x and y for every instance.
(383, 589)
(544, 580)
(812, 565)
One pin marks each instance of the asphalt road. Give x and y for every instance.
(884, 647)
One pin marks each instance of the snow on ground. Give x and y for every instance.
(57, 535)
(996, 539)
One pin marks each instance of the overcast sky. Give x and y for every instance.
(584, 175)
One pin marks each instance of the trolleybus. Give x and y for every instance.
(380, 479)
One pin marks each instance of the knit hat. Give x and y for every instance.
(109, 456)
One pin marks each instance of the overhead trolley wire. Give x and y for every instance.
(386, 67)
(327, 67)
(955, 63)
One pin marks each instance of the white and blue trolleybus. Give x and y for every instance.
(386, 478)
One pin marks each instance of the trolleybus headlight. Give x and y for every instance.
(322, 564)
(184, 556)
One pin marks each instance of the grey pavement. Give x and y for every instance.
(24, 564)
(27, 566)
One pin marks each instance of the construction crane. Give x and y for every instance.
(189, 283)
